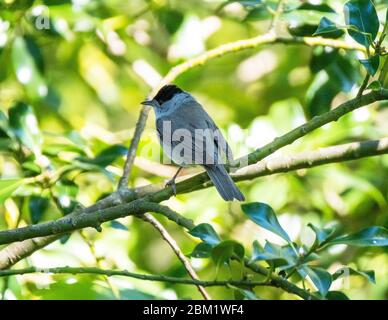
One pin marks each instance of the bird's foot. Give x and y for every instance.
(171, 183)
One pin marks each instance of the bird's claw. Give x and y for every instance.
(171, 183)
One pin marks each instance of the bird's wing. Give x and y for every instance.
(198, 112)
(204, 143)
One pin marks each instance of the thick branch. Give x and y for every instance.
(198, 181)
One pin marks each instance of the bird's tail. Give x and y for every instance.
(224, 183)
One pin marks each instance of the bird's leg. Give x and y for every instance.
(172, 181)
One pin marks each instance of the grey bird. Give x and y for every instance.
(189, 136)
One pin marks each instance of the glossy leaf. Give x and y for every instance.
(322, 234)
(369, 237)
(325, 26)
(282, 255)
(25, 127)
(362, 14)
(206, 233)
(201, 250)
(225, 250)
(37, 206)
(320, 277)
(263, 215)
(371, 65)
(344, 272)
(336, 295)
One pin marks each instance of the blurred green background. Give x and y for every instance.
(83, 66)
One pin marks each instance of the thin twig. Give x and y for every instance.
(174, 246)
(363, 86)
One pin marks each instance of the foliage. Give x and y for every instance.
(73, 74)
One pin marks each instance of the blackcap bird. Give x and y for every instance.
(189, 136)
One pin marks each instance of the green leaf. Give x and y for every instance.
(374, 85)
(118, 225)
(344, 272)
(37, 206)
(201, 250)
(8, 187)
(263, 215)
(24, 125)
(362, 14)
(225, 250)
(369, 237)
(336, 295)
(371, 65)
(258, 14)
(5, 130)
(322, 235)
(322, 57)
(106, 156)
(282, 255)
(171, 19)
(26, 61)
(66, 191)
(320, 277)
(206, 233)
(325, 26)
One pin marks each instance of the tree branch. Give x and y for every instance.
(268, 38)
(125, 273)
(174, 246)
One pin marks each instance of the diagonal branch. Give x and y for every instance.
(268, 38)
(174, 246)
(17, 251)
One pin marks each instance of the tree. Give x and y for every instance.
(62, 153)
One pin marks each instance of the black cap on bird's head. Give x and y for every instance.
(166, 93)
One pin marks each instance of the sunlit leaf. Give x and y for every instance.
(225, 250)
(374, 85)
(325, 26)
(263, 215)
(362, 15)
(8, 187)
(320, 277)
(322, 234)
(201, 250)
(371, 65)
(369, 237)
(206, 233)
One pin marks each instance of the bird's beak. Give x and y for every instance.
(148, 103)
